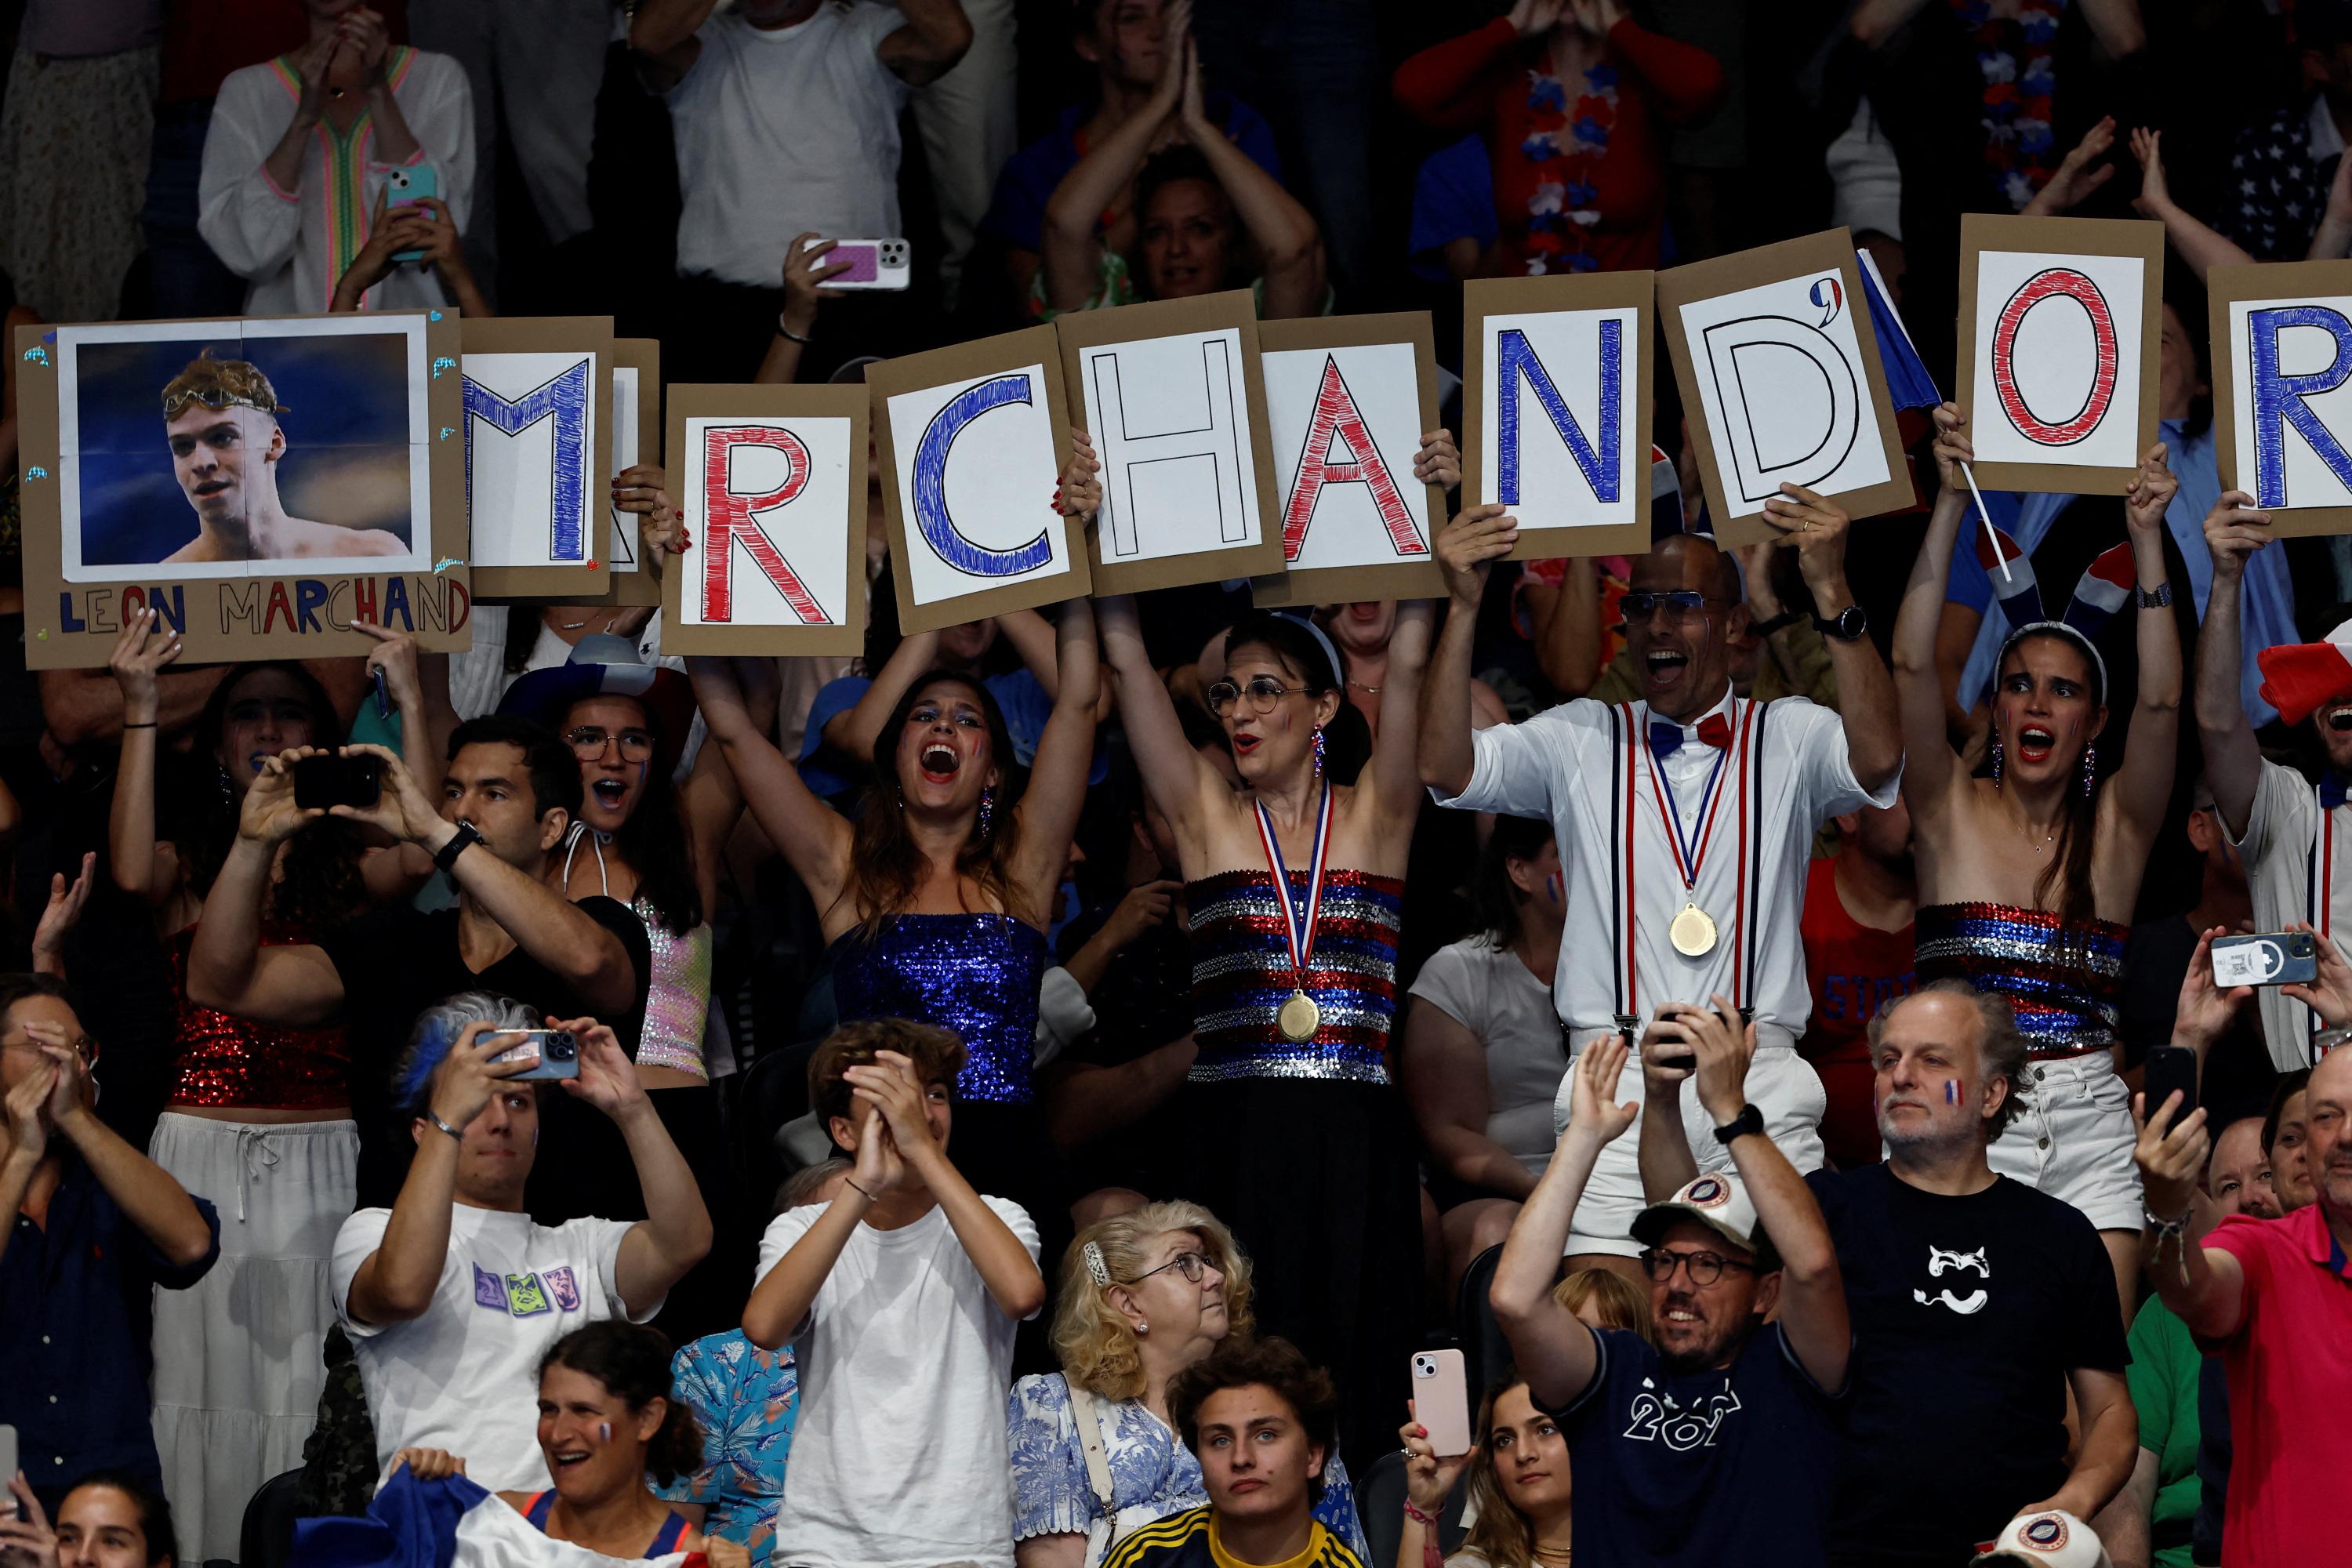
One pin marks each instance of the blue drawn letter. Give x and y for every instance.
(1514, 359)
(565, 400)
(931, 485)
(2282, 400)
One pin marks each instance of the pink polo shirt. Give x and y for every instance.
(2289, 1366)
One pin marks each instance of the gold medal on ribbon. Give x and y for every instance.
(1298, 1018)
(1692, 933)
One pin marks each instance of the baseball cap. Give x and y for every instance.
(1719, 1202)
(2052, 1540)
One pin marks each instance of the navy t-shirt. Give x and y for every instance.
(1717, 1469)
(1968, 1314)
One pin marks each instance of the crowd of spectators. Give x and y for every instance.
(936, 1173)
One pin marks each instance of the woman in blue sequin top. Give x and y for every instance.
(2027, 877)
(1300, 1144)
(934, 902)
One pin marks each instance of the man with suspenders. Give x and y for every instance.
(2290, 832)
(1685, 819)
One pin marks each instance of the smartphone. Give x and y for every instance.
(557, 1051)
(2289, 958)
(1441, 1401)
(402, 187)
(322, 782)
(8, 1468)
(2171, 1068)
(873, 263)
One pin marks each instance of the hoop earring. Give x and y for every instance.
(987, 809)
(2090, 761)
(1996, 762)
(1318, 752)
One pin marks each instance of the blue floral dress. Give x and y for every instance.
(1152, 1475)
(747, 1400)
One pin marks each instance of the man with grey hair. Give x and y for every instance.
(1977, 1303)
(452, 1295)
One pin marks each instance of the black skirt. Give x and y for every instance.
(1317, 1182)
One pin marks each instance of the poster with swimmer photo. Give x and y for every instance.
(261, 482)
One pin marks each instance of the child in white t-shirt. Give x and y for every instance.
(900, 1297)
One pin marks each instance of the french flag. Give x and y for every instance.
(448, 1523)
(2107, 586)
(2014, 582)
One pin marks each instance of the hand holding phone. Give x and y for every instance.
(405, 187)
(2285, 958)
(555, 1054)
(2171, 1069)
(1441, 1401)
(871, 264)
(327, 781)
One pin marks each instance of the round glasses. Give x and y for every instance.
(1192, 1265)
(1705, 1267)
(1262, 692)
(588, 743)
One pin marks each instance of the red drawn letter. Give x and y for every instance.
(727, 522)
(1336, 414)
(2049, 285)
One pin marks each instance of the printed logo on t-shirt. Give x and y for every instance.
(1661, 1419)
(526, 1295)
(1940, 1263)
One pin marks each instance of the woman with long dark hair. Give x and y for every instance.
(260, 1116)
(607, 1421)
(1294, 888)
(934, 903)
(2028, 878)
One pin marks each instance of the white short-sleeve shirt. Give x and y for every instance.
(1487, 990)
(900, 1458)
(2294, 855)
(464, 1377)
(1568, 763)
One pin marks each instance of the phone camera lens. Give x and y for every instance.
(561, 1047)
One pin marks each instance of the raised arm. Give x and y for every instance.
(294, 986)
(662, 33)
(1071, 249)
(2143, 785)
(2204, 1286)
(1174, 776)
(2233, 763)
(813, 836)
(2201, 247)
(854, 729)
(936, 36)
(1467, 548)
(141, 650)
(1663, 1154)
(674, 1234)
(1047, 816)
(1395, 771)
(1006, 1266)
(1812, 1291)
(1568, 626)
(1932, 778)
(1555, 1351)
(1817, 527)
(144, 1192)
(1289, 246)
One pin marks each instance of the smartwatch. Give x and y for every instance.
(1749, 1120)
(1849, 625)
(458, 843)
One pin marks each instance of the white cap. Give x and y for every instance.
(1716, 1201)
(2055, 1539)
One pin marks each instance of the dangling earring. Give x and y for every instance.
(2090, 761)
(987, 809)
(1318, 752)
(228, 790)
(1996, 762)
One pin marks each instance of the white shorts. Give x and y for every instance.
(1780, 1083)
(2072, 1138)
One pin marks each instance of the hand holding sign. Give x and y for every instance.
(2233, 531)
(2150, 491)
(1468, 547)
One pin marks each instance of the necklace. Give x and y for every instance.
(2047, 839)
(575, 625)
(1368, 690)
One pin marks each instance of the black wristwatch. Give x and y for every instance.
(1850, 624)
(1749, 1120)
(459, 842)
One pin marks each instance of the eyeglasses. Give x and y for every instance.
(1680, 603)
(1192, 1265)
(85, 1048)
(588, 743)
(1262, 692)
(1705, 1267)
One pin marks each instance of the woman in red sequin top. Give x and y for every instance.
(259, 1118)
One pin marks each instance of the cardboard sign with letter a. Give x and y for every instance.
(2282, 389)
(973, 440)
(1347, 399)
(2059, 319)
(770, 481)
(1171, 393)
(1782, 383)
(539, 408)
(1557, 409)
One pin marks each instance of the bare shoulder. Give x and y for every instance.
(316, 540)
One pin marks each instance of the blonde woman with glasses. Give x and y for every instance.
(1142, 1296)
